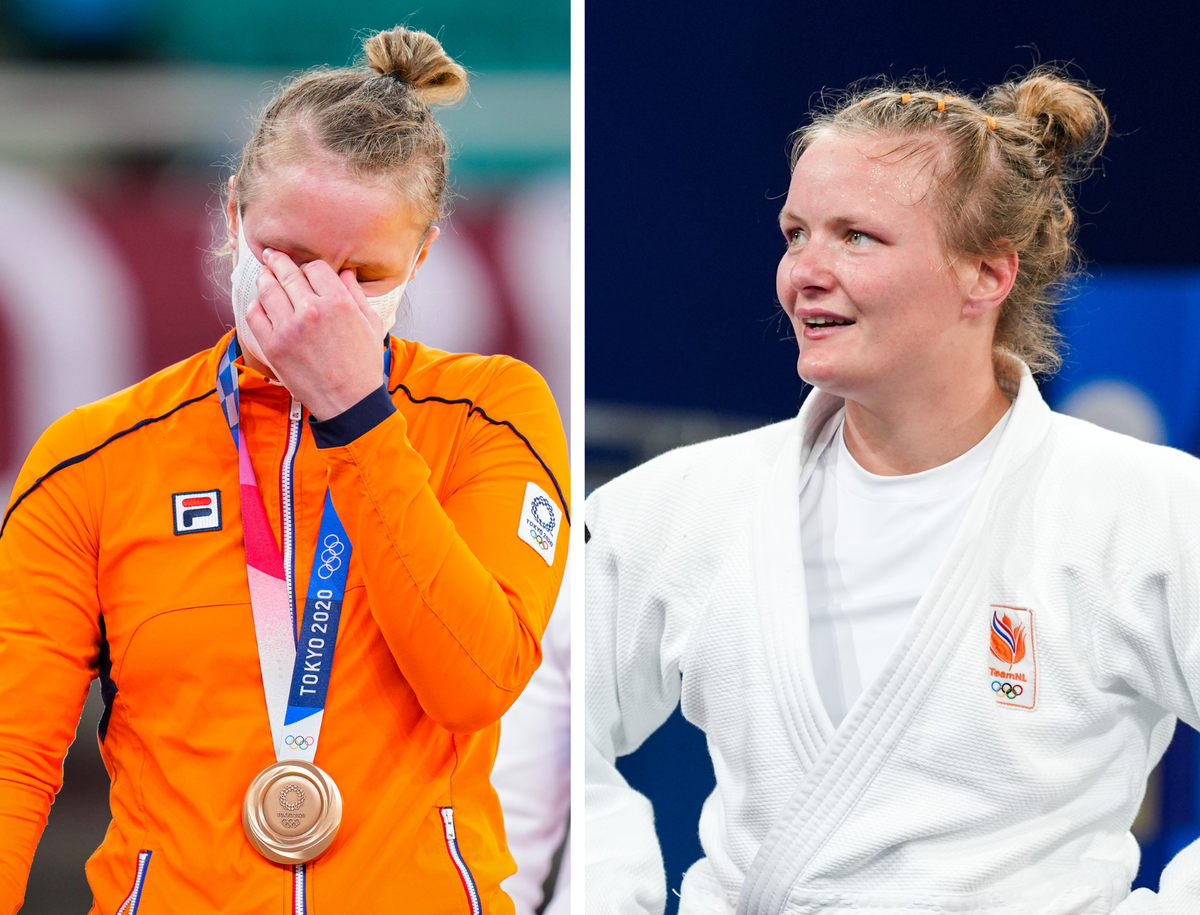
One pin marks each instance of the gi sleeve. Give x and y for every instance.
(631, 690)
(1148, 637)
(460, 598)
(1178, 888)
(49, 638)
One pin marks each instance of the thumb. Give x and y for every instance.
(350, 281)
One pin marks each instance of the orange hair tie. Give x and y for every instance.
(863, 102)
(904, 98)
(991, 122)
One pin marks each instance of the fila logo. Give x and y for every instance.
(197, 511)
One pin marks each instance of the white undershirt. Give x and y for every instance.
(871, 546)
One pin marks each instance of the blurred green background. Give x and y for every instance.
(518, 52)
(301, 33)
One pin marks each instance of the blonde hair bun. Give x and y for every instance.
(417, 59)
(1067, 119)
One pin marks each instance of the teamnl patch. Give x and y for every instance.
(1012, 657)
(540, 522)
(197, 511)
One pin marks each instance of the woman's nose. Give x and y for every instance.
(810, 267)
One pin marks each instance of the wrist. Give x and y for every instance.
(333, 399)
(359, 418)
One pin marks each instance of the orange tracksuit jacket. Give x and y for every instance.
(444, 609)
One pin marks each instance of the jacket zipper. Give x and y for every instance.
(288, 513)
(287, 506)
(299, 889)
(130, 905)
(464, 874)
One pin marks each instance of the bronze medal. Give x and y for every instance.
(292, 812)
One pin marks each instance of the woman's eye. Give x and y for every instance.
(858, 238)
(364, 276)
(795, 236)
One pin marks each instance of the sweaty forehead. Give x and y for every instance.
(903, 169)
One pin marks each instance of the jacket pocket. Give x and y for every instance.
(130, 905)
(464, 873)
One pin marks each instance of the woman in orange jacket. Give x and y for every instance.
(310, 571)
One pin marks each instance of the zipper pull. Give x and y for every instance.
(448, 819)
(296, 408)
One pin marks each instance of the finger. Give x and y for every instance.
(322, 278)
(274, 298)
(290, 276)
(260, 323)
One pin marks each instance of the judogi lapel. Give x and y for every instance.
(843, 761)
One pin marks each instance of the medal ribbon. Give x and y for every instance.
(295, 670)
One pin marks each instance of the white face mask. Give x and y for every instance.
(245, 291)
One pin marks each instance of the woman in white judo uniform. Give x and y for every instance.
(937, 636)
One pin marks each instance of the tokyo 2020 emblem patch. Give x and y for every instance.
(540, 522)
(197, 511)
(1012, 667)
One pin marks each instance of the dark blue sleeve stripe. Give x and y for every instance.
(495, 422)
(358, 420)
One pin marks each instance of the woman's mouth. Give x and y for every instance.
(817, 327)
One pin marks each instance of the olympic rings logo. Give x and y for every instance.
(1010, 690)
(331, 556)
(295, 789)
(298, 743)
(543, 542)
(541, 503)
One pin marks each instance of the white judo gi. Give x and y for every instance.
(995, 764)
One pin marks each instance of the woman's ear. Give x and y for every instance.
(430, 238)
(988, 281)
(231, 217)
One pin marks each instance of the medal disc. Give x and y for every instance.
(292, 812)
